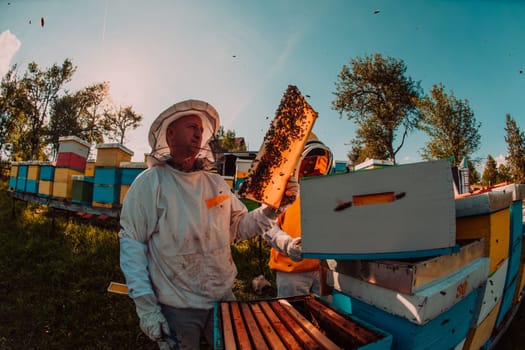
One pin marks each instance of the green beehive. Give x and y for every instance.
(82, 189)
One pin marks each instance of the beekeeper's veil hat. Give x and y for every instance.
(160, 150)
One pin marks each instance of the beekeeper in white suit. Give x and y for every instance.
(177, 223)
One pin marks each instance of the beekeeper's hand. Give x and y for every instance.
(289, 196)
(284, 243)
(294, 249)
(152, 321)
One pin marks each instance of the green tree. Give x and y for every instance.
(377, 95)
(474, 177)
(94, 101)
(364, 145)
(504, 174)
(490, 173)
(64, 120)
(516, 150)
(116, 123)
(229, 142)
(39, 88)
(9, 100)
(450, 124)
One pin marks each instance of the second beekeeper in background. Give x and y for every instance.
(296, 276)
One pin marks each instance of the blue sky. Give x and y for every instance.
(241, 55)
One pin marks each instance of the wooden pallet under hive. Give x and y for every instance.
(302, 322)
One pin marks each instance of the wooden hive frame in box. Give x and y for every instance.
(302, 322)
(282, 146)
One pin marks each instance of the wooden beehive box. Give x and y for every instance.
(282, 146)
(47, 171)
(487, 216)
(71, 160)
(45, 188)
(13, 176)
(395, 212)
(409, 275)
(507, 301)
(73, 144)
(33, 172)
(82, 189)
(478, 335)
(90, 167)
(21, 179)
(491, 294)
(446, 331)
(424, 305)
(302, 322)
(112, 154)
(63, 182)
(130, 170)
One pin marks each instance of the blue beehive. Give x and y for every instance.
(47, 171)
(106, 187)
(106, 194)
(107, 176)
(13, 176)
(443, 332)
(130, 170)
(22, 177)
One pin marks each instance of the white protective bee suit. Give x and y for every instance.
(177, 227)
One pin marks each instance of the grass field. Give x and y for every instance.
(55, 269)
(54, 272)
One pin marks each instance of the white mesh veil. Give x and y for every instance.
(157, 133)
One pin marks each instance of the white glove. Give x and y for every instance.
(290, 194)
(294, 249)
(152, 321)
(284, 243)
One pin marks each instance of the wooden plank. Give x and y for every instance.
(345, 326)
(304, 330)
(118, 288)
(251, 324)
(280, 327)
(271, 336)
(227, 333)
(240, 329)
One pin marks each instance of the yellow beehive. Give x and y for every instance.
(45, 188)
(64, 174)
(14, 169)
(112, 154)
(477, 337)
(33, 170)
(494, 228)
(62, 189)
(123, 190)
(63, 182)
(90, 168)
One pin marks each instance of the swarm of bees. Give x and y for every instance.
(282, 146)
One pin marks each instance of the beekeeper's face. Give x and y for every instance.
(184, 136)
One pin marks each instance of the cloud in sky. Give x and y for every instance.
(9, 45)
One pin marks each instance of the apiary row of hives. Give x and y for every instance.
(389, 260)
(100, 182)
(428, 268)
